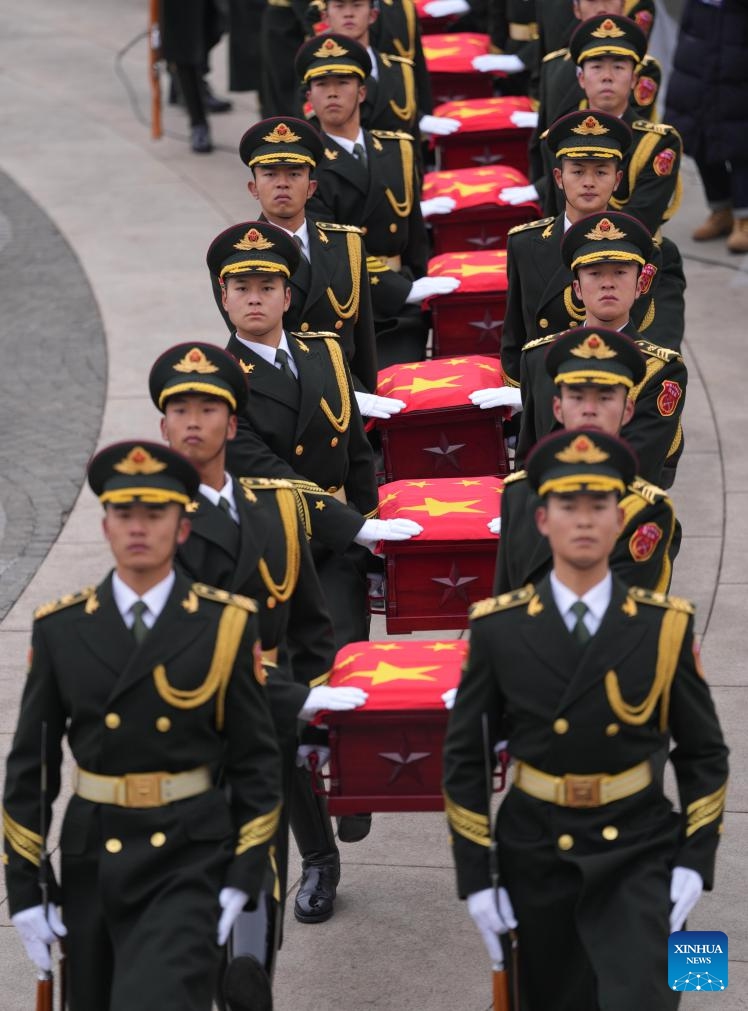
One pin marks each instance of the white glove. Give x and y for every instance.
(524, 119)
(448, 698)
(232, 901)
(437, 205)
(305, 750)
(443, 8)
(508, 63)
(38, 932)
(498, 396)
(337, 700)
(374, 531)
(440, 126)
(425, 287)
(686, 887)
(491, 921)
(494, 525)
(372, 406)
(518, 194)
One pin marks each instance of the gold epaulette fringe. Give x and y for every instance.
(518, 475)
(539, 341)
(501, 603)
(539, 223)
(333, 226)
(224, 597)
(656, 599)
(268, 483)
(391, 134)
(67, 601)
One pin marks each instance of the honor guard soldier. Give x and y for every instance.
(607, 254)
(588, 149)
(594, 680)
(330, 287)
(369, 179)
(158, 684)
(592, 373)
(284, 26)
(246, 537)
(397, 30)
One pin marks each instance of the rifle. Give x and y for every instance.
(505, 982)
(45, 979)
(154, 55)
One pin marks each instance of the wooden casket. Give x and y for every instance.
(432, 579)
(449, 62)
(480, 220)
(486, 136)
(469, 320)
(440, 432)
(387, 755)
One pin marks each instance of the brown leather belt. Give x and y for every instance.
(521, 32)
(141, 789)
(582, 791)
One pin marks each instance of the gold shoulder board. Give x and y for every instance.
(648, 491)
(540, 223)
(333, 226)
(555, 54)
(646, 127)
(391, 134)
(260, 483)
(503, 602)
(539, 342)
(518, 475)
(655, 351)
(67, 601)
(657, 599)
(224, 597)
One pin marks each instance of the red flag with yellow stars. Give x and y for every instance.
(447, 508)
(480, 271)
(441, 382)
(472, 187)
(400, 675)
(454, 52)
(481, 114)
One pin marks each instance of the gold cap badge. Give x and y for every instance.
(608, 30)
(330, 48)
(582, 450)
(605, 229)
(593, 346)
(195, 361)
(591, 127)
(139, 461)
(282, 134)
(253, 240)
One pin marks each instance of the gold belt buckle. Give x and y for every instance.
(582, 791)
(143, 789)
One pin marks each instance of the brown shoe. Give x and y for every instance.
(738, 241)
(718, 223)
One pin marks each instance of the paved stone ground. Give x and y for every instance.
(139, 216)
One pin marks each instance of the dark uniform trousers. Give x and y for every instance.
(139, 885)
(589, 884)
(643, 555)
(541, 301)
(654, 432)
(330, 292)
(382, 197)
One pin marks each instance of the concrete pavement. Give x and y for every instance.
(138, 217)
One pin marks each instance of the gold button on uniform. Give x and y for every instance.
(270, 603)
(393, 227)
(163, 723)
(610, 832)
(304, 327)
(612, 729)
(299, 450)
(543, 322)
(158, 839)
(112, 720)
(560, 726)
(565, 842)
(113, 845)
(334, 441)
(339, 324)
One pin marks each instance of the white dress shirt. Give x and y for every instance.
(268, 353)
(154, 600)
(226, 492)
(597, 600)
(303, 235)
(346, 144)
(374, 64)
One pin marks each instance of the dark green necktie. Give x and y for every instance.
(281, 358)
(359, 151)
(223, 503)
(139, 628)
(580, 631)
(300, 244)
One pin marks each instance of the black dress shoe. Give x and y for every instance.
(353, 827)
(213, 103)
(200, 138)
(246, 986)
(316, 895)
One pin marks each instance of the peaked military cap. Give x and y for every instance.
(581, 460)
(586, 134)
(147, 472)
(332, 54)
(593, 356)
(198, 368)
(281, 140)
(606, 236)
(253, 247)
(608, 35)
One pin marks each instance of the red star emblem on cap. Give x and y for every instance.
(138, 456)
(194, 355)
(282, 129)
(253, 235)
(593, 342)
(605, 225)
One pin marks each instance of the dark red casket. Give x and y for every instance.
(432, 580)
(387, 756)
(449, 62)
(487, 135)
(480, 220)
(470, 320)
(440, 432)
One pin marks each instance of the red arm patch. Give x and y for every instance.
(669, 397)
(644, 540)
